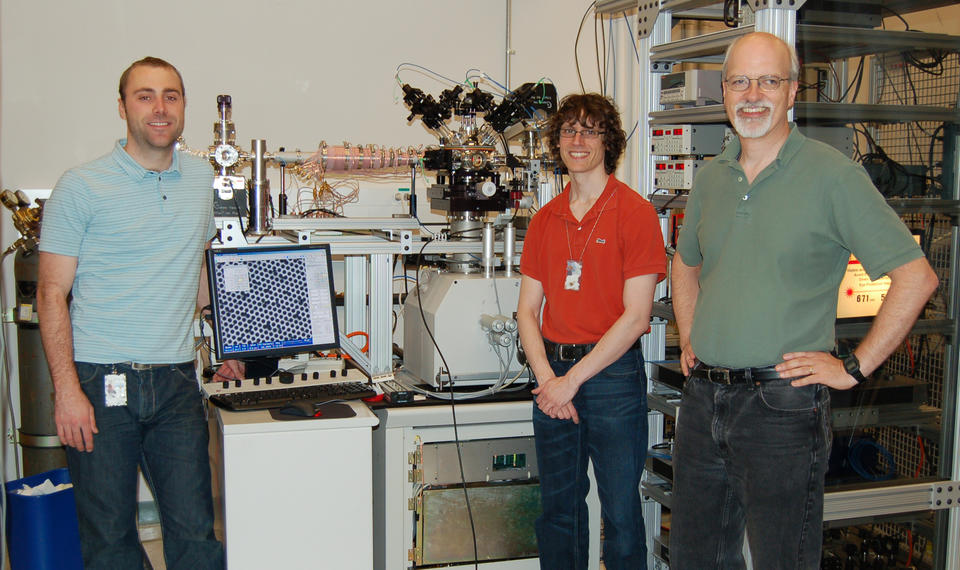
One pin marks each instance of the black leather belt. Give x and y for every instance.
(572, 352)
(722, 375)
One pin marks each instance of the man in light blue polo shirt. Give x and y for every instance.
(768, 230)
(124, 235)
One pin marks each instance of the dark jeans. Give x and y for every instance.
(751, 457)
(163, 430)
(612, 433)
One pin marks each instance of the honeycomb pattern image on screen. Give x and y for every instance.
(274, 307)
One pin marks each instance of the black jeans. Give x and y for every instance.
(749, 456)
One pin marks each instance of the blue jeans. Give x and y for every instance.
(162, 429)
(754, 457)
(612, 433)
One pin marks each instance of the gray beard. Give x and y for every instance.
(752, 128)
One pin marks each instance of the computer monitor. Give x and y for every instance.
(272, 300)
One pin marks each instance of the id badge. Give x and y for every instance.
(115, 390)
(572, 280)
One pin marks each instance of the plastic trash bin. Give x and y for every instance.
(42, 531)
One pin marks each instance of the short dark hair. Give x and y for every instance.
(594, 111)
(150, 62)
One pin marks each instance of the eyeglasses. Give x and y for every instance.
(765, 82)
(567, 133)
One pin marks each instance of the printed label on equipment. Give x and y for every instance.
(859, 296)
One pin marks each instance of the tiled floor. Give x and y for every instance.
(154, 550)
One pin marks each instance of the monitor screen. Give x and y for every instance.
(272, 300)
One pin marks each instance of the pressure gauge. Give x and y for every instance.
(488, 189)
(226, 155)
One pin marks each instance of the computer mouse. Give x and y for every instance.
(303, 408)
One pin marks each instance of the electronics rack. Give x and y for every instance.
(929, 356)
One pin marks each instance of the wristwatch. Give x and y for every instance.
(852, 365)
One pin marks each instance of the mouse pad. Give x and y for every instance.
(337, 410)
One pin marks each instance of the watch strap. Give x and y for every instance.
(852, 365)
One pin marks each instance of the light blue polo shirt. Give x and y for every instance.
(139, 238)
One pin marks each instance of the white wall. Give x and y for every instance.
(299, 72)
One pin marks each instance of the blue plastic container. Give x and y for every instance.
(42, 531)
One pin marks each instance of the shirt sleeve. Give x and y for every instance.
(688, 243)
(66, 216)
(644, 253)
(532, 242)
(868, 226)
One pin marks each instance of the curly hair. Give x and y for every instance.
(593, 111)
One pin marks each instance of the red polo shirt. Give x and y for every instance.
(623, 242)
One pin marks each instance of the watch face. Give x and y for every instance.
(852, 365)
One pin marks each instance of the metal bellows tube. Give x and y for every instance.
(259, 188)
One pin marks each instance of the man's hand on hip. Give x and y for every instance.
(687, 359)
(815, 368)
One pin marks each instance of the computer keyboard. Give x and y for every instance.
(274, 392)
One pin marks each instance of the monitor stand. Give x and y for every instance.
(305, 363)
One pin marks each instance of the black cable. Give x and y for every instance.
(933, 141)
(899, 17)
(927, 67)
(663, 209)
(453, 409)
(601, 37)
(858, 79)
(236, 205)
(913, 87)
(203, 337)
(893, 177)
(506, 147)
(576, 43)
(731, 13)
(321, 211)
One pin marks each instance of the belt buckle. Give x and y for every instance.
(571, 356)
(723, 375)
(140, 367)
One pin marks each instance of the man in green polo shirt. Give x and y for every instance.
(768, 230)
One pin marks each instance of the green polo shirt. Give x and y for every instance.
(773, 253)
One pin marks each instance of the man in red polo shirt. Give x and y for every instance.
(595, 254)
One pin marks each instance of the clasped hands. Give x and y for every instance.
(554, 397)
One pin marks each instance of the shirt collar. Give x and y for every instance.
(134, 169)
(789, 149)
(604, 201)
